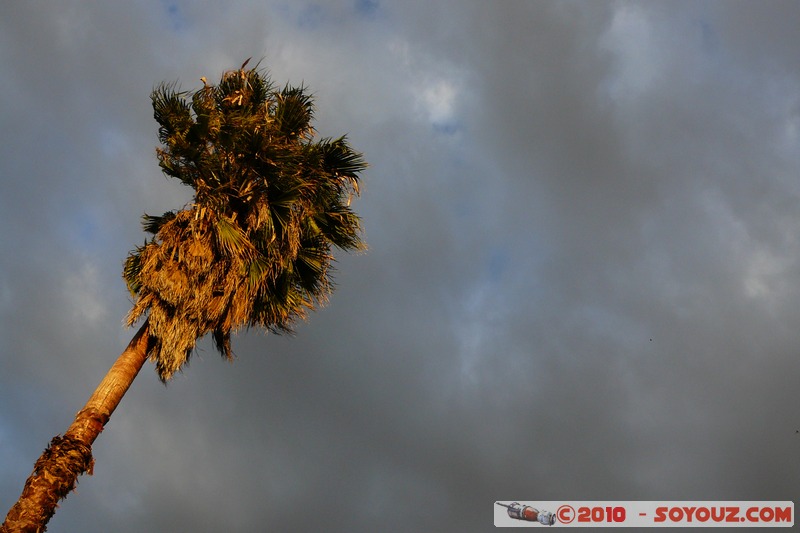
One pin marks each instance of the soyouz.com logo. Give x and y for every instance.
(644, 514)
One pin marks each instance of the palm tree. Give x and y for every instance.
(253, 248)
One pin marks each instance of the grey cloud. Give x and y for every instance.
(607, 174)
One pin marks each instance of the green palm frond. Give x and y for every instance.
(172, 113)
(152, 224)
(341, 227)
(294, 111)
(131, 271)
(260, 85)
(312, 267)
(231, 239)
(257, 271)
(341, 160)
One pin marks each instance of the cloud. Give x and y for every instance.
(551, 186)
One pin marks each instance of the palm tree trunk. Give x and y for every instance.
(67, 457)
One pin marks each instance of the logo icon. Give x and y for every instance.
(529, 514)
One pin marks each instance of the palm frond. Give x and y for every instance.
(153, 224)
(222, 342)
(231, 239)
(294, 111)
(339, 159)
(132, 269)
(260, 85)
(341, 226)
(172, 113)
(257, 271)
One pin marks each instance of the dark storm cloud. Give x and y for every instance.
(552, 185)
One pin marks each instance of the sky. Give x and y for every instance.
(582, 283)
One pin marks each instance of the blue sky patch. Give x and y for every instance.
(367, 8)
(177, 21)
(311, 17)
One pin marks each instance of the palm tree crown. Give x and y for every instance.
(270, 202)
